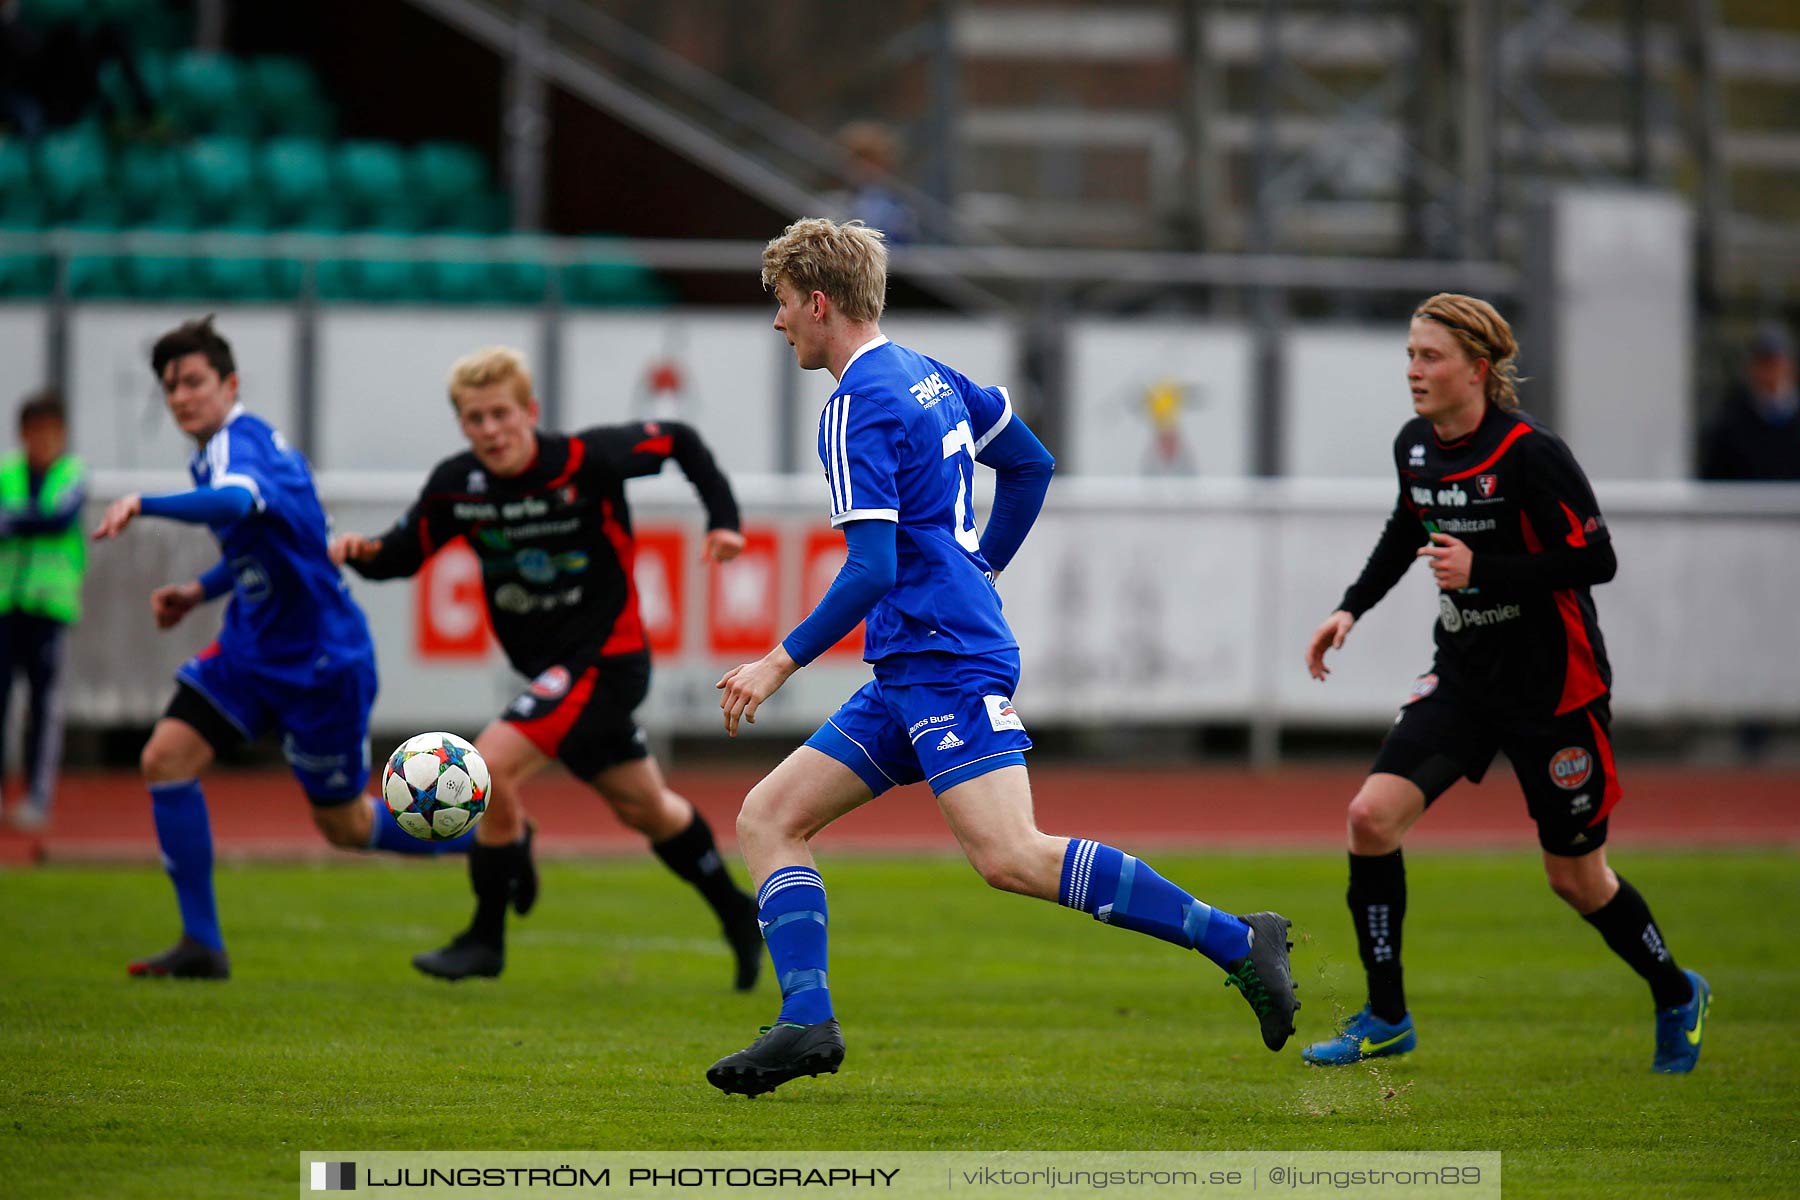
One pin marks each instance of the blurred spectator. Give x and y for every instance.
(874, 155)
(1755, 435)
(42, 559)
(50, 69)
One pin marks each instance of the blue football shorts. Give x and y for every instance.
(324, 725)
(942, 719)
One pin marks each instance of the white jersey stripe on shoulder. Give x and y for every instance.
(843, 450)
(1005, 415)
(831, 454)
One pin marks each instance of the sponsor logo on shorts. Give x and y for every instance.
(1000, 713)
(1422, 687)
(1581, 804)
(551, 683)
(920, 726)
(1570, 767)
(950, 741)
(1487, 485)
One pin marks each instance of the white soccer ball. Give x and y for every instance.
(436, 785)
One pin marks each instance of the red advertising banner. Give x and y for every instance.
(743, 599)
(450, 613)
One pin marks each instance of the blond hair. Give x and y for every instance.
(491, 364)
(847, 262)
(1483, 334)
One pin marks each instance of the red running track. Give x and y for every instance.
(106, 816)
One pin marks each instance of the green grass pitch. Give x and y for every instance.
(974, 1021)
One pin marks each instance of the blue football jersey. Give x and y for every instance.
(290, 614)
(899, 440)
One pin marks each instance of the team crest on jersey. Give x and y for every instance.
(1571, 767)
(1422, 687)
(1486, 485)
(1416, 456)
(551, 683)
(1001, 714)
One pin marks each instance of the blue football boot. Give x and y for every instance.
(1364, 1036)
(1679, 1029)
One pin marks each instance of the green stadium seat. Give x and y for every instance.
(295, 174)
(18, 182)
(147, 175)
(248, 278)
(287, 97)
(23, 275)
(613, 284)
(72, 168)
(205, 94)
(372, 177)
(97, 276)
(219, 173)
(156, 276)
(450, 179)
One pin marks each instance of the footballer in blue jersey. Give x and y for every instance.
(899, 440)
(293, 657)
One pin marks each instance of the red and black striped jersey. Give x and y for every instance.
(555, 540)
(1524, 634)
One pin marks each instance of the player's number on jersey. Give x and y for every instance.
(960, 441)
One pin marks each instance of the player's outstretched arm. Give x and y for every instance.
(721, 545)
(1329, 635)
(353, 548)
(200, 506)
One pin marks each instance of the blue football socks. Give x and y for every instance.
(185, 835)
(385, 834)
(791, 910)
(1117, 889)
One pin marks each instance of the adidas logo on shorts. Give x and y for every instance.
(951, 741)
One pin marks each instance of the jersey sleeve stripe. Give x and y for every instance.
(865, 514)
(836, 444)
(1006, 414)
(242, 481)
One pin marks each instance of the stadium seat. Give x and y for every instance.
(156, 276)
(18, 184)
(619, 283)
(72, 169)
(251, 277)
(372, 178)
(450, 180)
(295, 175)
(287, 97)
(218, 171)
(96, 276)
(24, 275)
(205, 94)
(147, 175)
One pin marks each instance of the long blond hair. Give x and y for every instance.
(1483, 334)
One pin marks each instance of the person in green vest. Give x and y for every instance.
(42, 559)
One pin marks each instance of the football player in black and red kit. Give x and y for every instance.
(546, 515)
(1515, 539)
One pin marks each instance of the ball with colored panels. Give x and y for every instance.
(436, 785)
